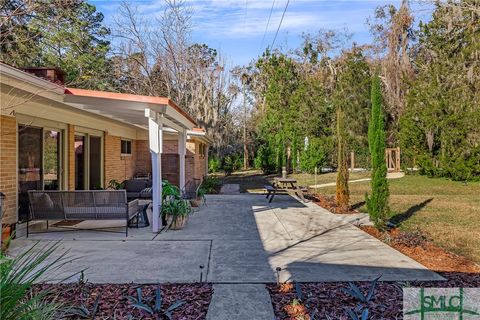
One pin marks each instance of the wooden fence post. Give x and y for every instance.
(397, 158)
(352, 160)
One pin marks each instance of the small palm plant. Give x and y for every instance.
(175, 210)
(17, 276)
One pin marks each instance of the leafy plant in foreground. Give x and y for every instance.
(17, 276)
(156, 308)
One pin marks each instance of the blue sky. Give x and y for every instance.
(237, 27)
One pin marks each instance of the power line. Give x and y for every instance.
(280, 24)
(268, 22)
(245, 15)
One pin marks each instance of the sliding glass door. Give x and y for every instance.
(52, 159)
(40, 155)
(95, 161)
(79, 162)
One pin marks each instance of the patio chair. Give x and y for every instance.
(190, 191)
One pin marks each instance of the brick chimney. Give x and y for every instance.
(48, 73)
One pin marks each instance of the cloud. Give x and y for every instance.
(239, 19)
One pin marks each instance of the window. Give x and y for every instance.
(203, 149)
(126, 147)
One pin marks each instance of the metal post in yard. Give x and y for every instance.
(316, 179)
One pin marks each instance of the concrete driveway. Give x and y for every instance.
(238, 238)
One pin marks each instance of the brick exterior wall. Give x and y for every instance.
(143, 165)
(8, 167)
(189, 168)
(71, 157)
(193, 147)
(194, 164)
(118, 167)
(170, 146)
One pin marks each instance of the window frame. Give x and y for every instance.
(128, 145)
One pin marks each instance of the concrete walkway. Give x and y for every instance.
(240, 302)
(237, 241)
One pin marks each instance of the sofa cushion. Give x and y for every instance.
(135, 185)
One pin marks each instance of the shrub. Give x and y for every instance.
(228, 165)
(265, 159)
(213, 164)
(314, 157)
(210, 184)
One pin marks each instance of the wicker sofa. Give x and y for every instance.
(81, 205)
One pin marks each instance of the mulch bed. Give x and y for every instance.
(330, 300)
(422, 250)
(329, 203)
(113, 302)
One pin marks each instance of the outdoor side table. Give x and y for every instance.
(141, 221)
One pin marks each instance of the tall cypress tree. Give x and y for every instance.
(377, 203)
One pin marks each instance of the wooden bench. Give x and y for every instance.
(82, 205)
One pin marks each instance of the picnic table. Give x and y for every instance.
(288, 185)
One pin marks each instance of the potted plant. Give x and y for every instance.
(176, 212)
(200, 198)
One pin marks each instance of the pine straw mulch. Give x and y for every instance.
(329, 203)
(330, 301)
(113, 302)
(422, 250)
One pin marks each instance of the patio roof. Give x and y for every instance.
(129, 108)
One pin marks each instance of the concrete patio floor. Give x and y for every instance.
(237, 238)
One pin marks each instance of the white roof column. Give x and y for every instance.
(155, 137)
(182, 150)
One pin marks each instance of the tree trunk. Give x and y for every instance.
(342, 195)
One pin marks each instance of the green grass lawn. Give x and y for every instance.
(447, 212)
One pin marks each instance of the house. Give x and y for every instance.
(58, 138)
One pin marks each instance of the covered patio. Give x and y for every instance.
(155, 114)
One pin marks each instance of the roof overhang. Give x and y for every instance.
(199, 134)
(195, 133)
(129, 108)
(42, 86)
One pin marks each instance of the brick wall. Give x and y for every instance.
(118, 167)
(189, 168)
(8, 167)
(193, 147)
(194, 162)
(143, 165)
(170, 146)
(199, 166)
(71, 157)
